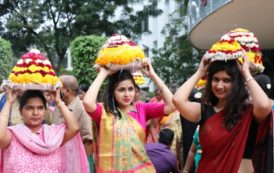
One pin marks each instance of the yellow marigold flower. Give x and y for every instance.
(20, 78)
(46, 69)
(26, 78)
(54, 80)
(240, 30)
(16, 69)
(33, 68)
(119, 55)
(36, 78)
(13, 78)
(21, 69)
(45, 79)
(201, 83)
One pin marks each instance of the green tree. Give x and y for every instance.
(177, 59)
(6, 59)
(50, 25)
(84, 51)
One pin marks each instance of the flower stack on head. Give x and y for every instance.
(138, 78)
(249, 43)
(201, 83)
(33, 71)
(199, 87)
(224, 50)
(118, 53)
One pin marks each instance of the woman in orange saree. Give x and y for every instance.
(120, 125)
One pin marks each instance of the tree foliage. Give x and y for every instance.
(6, 59)
(84, 51)
(50, 25)
(177, 59)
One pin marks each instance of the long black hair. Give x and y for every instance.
(113, 81)
(235, 104)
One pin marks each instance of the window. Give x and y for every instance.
(145, 24)
(155, 44)
(146, 50)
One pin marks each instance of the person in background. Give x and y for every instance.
(194, 154)
(159, 153)
(267, 141)
(158, 96)
(137, 94)
(153, 125)
(83, 88)
(265, 83)
(69, 94)
(228, 122)
(120, 123)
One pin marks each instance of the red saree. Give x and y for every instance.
(223, 150)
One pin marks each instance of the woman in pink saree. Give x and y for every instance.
(121, 125)
(34, 146)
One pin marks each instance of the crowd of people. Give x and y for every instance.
(72, 130)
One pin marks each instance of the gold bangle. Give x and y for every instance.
(249, 79)
(60, 104)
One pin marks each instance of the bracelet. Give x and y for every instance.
(60, 104)
(249, 79)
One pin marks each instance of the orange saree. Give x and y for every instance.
(119, 146)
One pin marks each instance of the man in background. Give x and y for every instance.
(160, 155)
(69, 94)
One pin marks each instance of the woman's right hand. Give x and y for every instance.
(55, 96)
(11, 95)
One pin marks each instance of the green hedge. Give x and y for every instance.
(84, 50)
(6, 59)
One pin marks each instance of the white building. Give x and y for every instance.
(153, 38)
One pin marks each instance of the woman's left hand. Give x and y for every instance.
(148, 69)
(244, 66)
(56, 96)
(11, 95)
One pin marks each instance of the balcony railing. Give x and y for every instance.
(197, 11)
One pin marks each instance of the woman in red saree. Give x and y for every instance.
(229, 121)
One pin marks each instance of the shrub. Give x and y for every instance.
(84, 51)
(6, 59)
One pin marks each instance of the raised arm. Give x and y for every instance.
(261, 103)
(190, 110)
(72, 126)
(90, 98)
(5, 135)
(167, 94)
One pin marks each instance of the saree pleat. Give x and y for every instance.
(226, 153)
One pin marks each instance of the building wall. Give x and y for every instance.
(153, 38)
